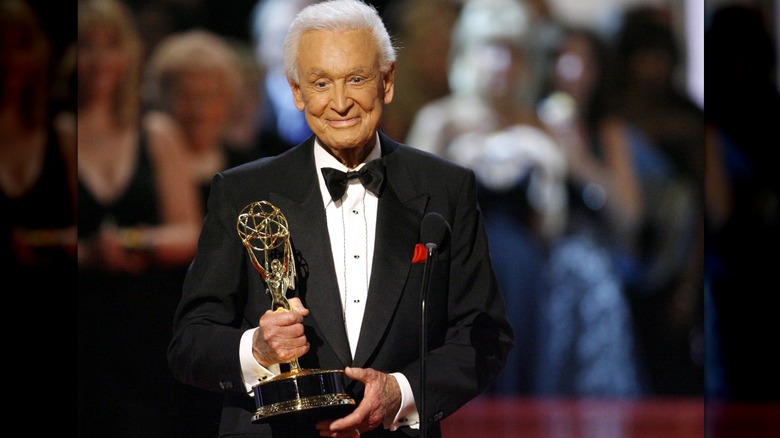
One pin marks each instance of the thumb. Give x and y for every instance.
(297, 305)
(355, 373)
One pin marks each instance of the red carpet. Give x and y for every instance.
(583, 418)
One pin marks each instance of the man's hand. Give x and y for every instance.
(381, 401)
(279, 337)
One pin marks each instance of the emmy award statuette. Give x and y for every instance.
(313, 393)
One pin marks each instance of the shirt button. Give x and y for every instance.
(355, 211)
(356, 256)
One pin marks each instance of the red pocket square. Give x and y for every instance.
(420, 253)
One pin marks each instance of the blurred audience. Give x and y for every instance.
(490, 75)
(571, 319)
(137, 226)
(651, 138)
(585, 291)
(487, 123)
(283, 125)
(195, 76)
(422, 31)
(37, 160)
(571, 108)
(742, 204)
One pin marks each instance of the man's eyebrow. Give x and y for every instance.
(315, 73)
(361, 71)
(318, 72)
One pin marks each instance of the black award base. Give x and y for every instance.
(310, 395)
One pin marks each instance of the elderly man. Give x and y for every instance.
(358, 285)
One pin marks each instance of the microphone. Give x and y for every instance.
(433, 231)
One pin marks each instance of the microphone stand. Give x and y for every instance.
(424, 335)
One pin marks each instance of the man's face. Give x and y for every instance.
(341, 89)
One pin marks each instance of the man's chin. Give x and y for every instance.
(343, 139)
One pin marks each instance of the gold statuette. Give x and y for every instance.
(313, 393)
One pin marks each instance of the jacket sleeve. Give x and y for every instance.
(211, 316)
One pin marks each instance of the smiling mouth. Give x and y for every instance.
(343, 122)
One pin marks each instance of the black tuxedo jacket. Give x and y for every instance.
(223, 294)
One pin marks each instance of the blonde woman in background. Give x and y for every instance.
(138, 226)
(195, 76)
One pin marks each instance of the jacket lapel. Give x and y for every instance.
(398, 218)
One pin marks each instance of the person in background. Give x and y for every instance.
(492, 75)
(137, 231)
(490, 124)
(195, 77)
(357, 297)
(37, 160)
(570, 108)
(652, 140)
(586, 343)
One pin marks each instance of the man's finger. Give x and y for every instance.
(297, 305)
(359, 374)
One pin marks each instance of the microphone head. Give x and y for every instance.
(434, 230)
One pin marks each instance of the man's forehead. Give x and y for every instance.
(325, 50)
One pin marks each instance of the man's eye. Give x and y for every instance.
(357, 80)
(320, 84)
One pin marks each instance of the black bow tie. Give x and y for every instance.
(371, 175)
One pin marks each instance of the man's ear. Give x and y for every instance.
(388, 84)
(297, 95)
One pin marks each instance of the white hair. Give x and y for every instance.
(337, 15)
